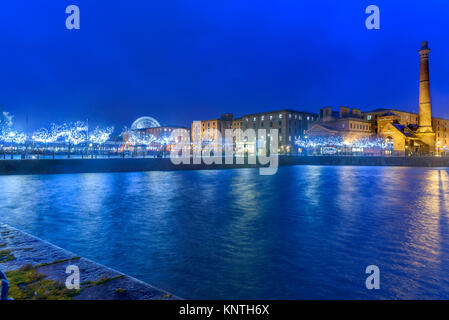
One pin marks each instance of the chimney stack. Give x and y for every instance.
(425, 132)
(425, 117)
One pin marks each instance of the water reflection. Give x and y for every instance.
(306, 232)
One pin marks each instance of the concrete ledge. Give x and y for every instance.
(366, 161)
(10, 167)
(19, 249)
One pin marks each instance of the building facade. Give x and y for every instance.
(147, 136)
(400, 128)
(401, 131)
(404, 132)
(290, 124)
(412, 133)
(211, 132)
(348, 123)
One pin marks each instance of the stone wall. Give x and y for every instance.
(37, 271)
(158, 164)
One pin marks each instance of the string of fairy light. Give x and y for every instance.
(340, 142)
(74, 133)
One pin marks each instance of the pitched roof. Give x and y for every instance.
(404, 130)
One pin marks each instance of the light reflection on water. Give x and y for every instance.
(306, 232)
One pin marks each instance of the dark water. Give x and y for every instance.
(306, 232)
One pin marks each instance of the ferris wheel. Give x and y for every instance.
(144, 123)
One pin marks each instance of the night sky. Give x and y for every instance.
(187, 60)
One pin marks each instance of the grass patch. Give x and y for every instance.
(6, 255)
(90, 284)
(56, 261)
(27, 283)
(120, 291)
(2, 245)
(7, 235)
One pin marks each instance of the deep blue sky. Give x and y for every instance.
(195, 59)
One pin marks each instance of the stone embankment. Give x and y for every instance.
(37, 269)
(50, 166)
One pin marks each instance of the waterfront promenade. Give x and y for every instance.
(37, 270)
(52, 166)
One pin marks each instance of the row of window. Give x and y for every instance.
(358, 126)
(236, 123)
(280, 116)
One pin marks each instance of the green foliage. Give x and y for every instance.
(56, 261)
(89, 284)
(120, 291)
(27, 283)
(6, 255)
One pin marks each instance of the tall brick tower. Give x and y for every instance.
(425, 131)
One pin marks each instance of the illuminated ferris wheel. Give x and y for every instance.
(144, 123)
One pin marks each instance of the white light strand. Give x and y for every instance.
(73, 133)
(338, 141)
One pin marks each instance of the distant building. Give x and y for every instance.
(291, 124)
(411, 133)
(165, 132)
(406, 132)
(146, 131)
(348, 123)
(399, 128)
(211, 132)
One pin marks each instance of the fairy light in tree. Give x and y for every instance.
(137, 138)
(337, 141)
(7, 132)
(73, 133)
(100, 136)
